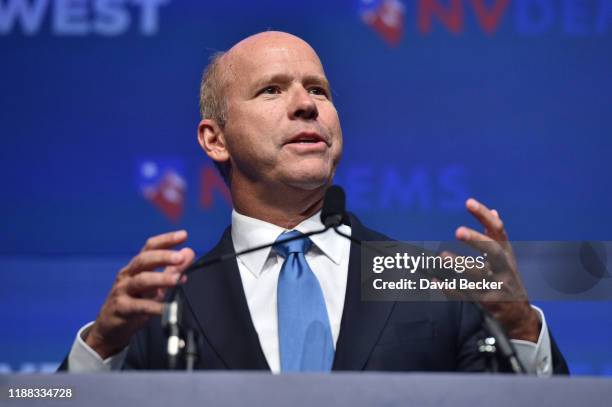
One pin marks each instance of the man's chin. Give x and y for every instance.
(307, 175)
(309, 182)
(308, 185)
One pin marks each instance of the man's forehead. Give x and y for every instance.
(270, 51)
(271, 41)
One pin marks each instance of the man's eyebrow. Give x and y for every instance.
(317, 79)
(284, 78)
(268, 79)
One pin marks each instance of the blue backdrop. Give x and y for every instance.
(504, 100)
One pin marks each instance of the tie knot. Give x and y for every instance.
(295, 246)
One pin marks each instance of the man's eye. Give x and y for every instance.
(270, 90)
(318, 91)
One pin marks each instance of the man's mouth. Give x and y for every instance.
(306, 141)
(307, 138)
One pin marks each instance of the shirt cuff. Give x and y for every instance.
(83, 359)
(536, 357)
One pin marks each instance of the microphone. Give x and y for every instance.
(334, 212)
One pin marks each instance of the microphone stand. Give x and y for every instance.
(182, 338)
(498, 341)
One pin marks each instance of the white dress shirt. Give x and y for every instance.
(328, 258)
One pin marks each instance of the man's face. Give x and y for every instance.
(282, 127)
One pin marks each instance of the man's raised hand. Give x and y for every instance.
(138, 292)
(510, 305)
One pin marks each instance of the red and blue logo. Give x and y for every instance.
(385, 17)
(163, 184)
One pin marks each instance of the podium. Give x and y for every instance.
(153, 389)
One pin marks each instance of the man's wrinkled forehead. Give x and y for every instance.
(268, 53)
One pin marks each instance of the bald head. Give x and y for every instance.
(267, 42)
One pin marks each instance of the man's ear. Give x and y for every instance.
(212, 140)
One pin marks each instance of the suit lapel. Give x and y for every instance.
(362, 321)
(216, 298)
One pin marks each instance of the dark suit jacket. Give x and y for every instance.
(387, 336)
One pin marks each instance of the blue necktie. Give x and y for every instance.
(304, 332)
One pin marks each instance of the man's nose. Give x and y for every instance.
(303, 106)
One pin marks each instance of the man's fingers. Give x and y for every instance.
(152, 259)
(479, 241)
(147, 281)
(138, 291)
(150, 281)
(130, 307)
(165, 240)
(466, 234)
(472, 273)
(489, 219)
(494, 251)
(188, 256)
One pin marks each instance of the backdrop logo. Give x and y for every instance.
(385, 17)
(80, 17)
(162, 184)
(522, 17)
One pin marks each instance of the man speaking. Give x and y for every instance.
(269, 123)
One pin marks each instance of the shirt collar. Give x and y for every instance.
(249, 232)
